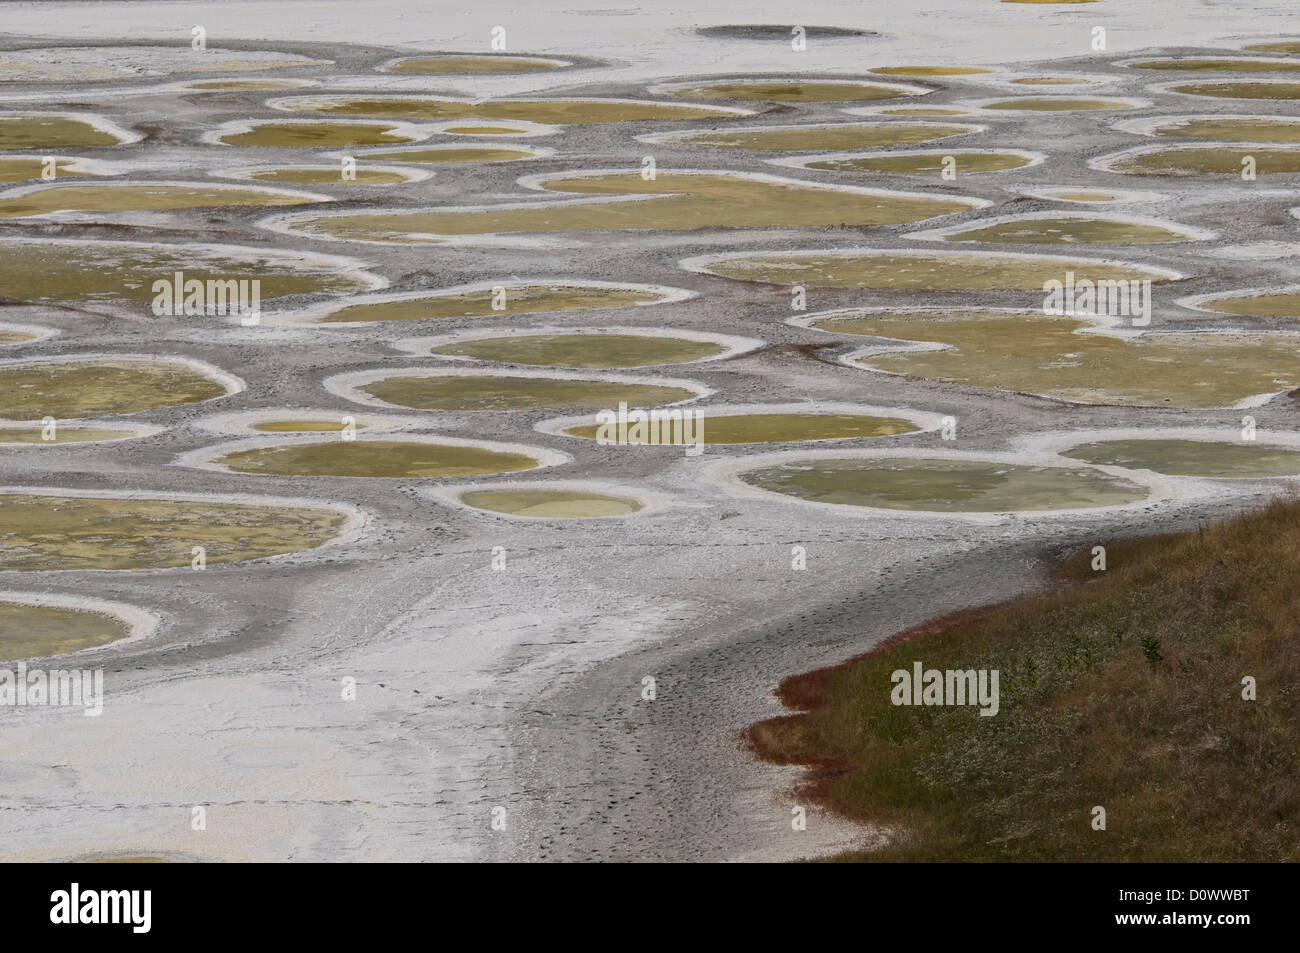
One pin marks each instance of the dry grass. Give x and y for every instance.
(1124, 690)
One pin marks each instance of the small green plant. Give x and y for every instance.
(1151, 649)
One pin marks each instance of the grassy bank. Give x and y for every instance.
(1123, 689)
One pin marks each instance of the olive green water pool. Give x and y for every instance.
(27, 630)
(1196, 458)
(100, 387)
(550, 504)
(389, 459)
(501, 392)
(592, 351)
(51, 531)
(941, 485)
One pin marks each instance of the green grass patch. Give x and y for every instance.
(1123, 689)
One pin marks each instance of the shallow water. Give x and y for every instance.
(61, 435)
(1210, 160)
(1276, 304)
(455, 155)
(929, 70)
(1070, 231)
(9, 338)
(550, 504)
(363, 176)
(776, 31)
(376, 458)
(679, 202)
(117, 198)
(1049, 81)
(302, 426)
(793, 91)
(46, 532)
(546, 111)
(1241, 90)
(930, 163)
(504, 392)
(1285, 46)
(27, 631)
(1232, 129)
(1087, 196)
(51, 132)
(1044, 104)
(519, 300)
(484, 130)
(592, 351)
(775, 428)
(139, 859)
(820, 137)
(318, 134)
(1207, 65)
(103, 63)
(1034, 354)
(100, 387)
(238, 85)
(1196, 458)
(22, 170)
(125, 271)
(922, 271)
(922, 111)
(470, 64)
(951, 486)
